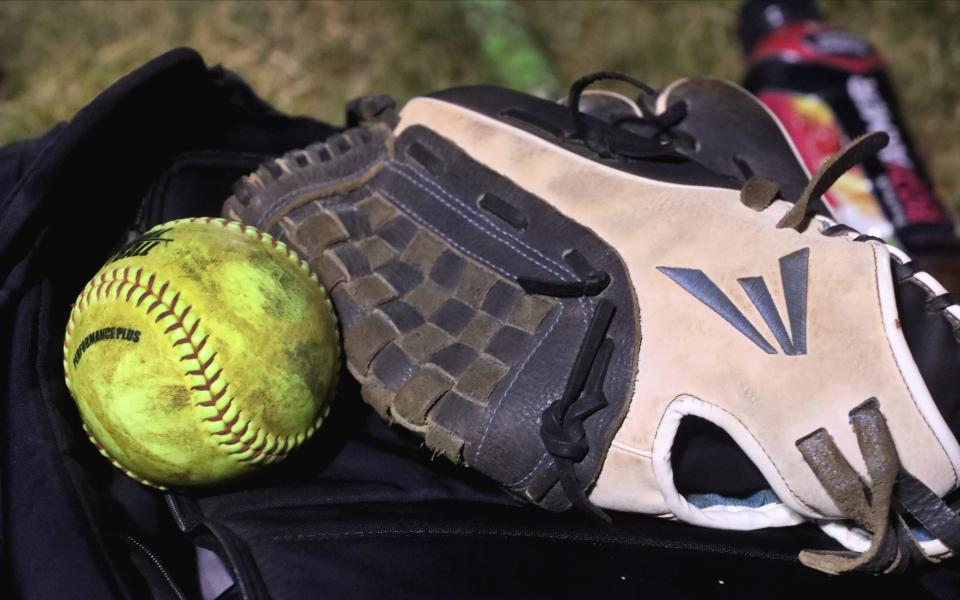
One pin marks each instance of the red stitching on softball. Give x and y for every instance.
(196, 350)
(213, 379)
(242, 432)
(235, 438)
(257, 451)
(220, 412)
(214, 397)
(204, 366)
(228, 425)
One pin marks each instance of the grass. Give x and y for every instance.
(311, 57)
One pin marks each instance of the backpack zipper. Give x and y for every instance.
(159, 565)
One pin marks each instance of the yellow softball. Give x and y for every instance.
(201, 351)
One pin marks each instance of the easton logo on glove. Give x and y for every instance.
(793, 277)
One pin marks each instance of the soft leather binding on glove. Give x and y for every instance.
(545, 296)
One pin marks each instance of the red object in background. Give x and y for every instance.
(827, 87)
(791, 43)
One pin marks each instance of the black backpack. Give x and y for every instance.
(363, 510)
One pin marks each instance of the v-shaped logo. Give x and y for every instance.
(793, 277)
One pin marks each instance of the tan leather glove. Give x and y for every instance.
(548, 297)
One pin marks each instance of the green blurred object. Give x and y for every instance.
(500, 25)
